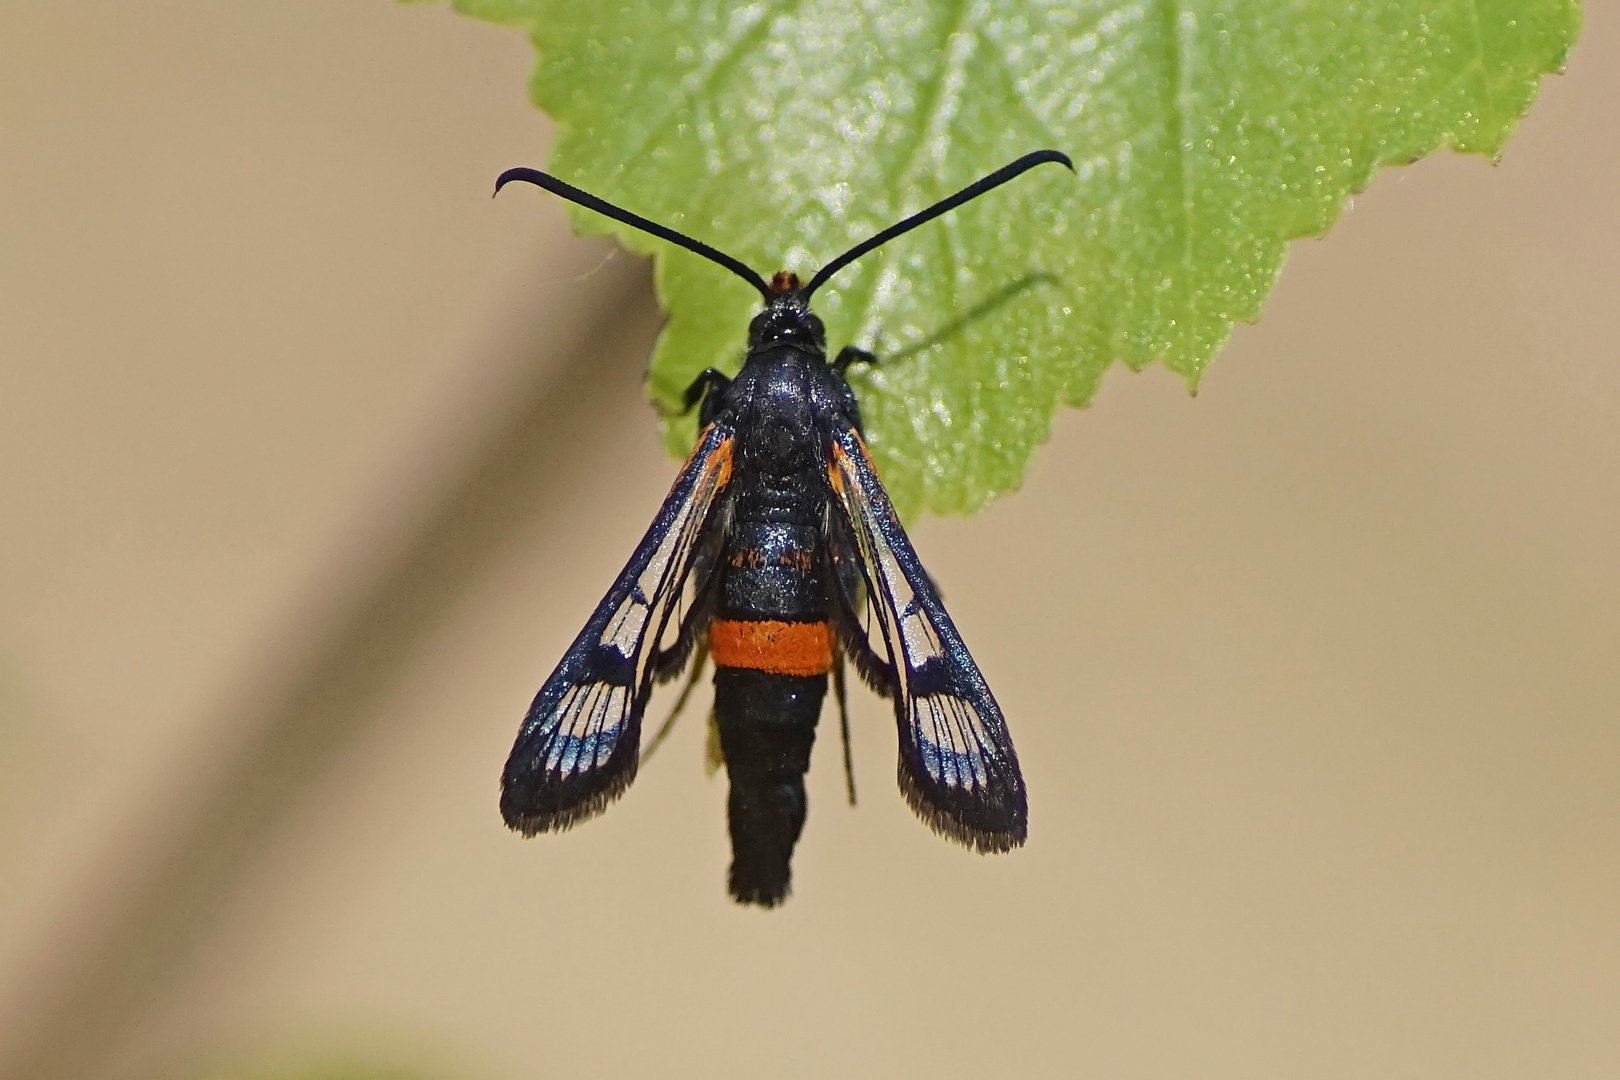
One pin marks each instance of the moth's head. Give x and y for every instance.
(787, 320)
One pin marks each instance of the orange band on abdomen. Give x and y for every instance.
(781, 648)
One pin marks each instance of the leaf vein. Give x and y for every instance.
(1177, 125)
(936, 102)
(717, 69)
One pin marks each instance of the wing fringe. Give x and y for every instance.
(873, 669)
(951, 826)
(533, 823)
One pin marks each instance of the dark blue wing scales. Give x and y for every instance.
(957, 766)
(578, 747)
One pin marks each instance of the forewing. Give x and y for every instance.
(957, 765)
(578, 746)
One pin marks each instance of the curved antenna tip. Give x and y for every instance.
(635, 221)
(1007, 172)
(529, 175)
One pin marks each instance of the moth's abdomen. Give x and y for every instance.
(770, 572)
(772, 646)
(767, 726)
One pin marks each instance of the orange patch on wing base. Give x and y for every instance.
(781, 648)
(838, 463)
(719, 458)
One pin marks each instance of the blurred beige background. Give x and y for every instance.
(313, 458)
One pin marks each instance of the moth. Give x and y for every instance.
(777, 554)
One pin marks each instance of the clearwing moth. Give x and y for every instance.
(774, 554)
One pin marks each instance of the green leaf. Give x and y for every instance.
(1206, 135)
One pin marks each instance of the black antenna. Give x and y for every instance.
(741, 269)
(586, 199)
(944, 206)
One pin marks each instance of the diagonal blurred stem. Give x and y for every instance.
(150, 931)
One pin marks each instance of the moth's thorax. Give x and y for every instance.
(776, 428)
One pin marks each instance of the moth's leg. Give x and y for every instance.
(698, 663)
(848, 355)
(843, 722)
(707, 388)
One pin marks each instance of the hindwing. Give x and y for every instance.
(957, 766)
(578, 747)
